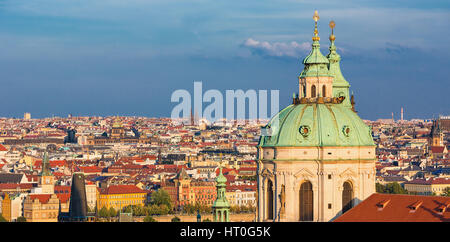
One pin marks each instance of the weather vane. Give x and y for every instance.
(332, 25)
(316, 32)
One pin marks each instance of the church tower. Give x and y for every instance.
(46, 178)
(318, 159)
(221, 207)
(436, 135)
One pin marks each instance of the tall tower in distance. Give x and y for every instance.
(27, 116)
(401, 114)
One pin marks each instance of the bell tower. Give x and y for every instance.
(315, 79)
(46, 179)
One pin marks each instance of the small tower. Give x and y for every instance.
(78, 200)
(436, 136)
(221, 207)
(340, 85)
(315, 79)
(46, 179)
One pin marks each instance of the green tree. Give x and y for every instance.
(112, 212)
(21, 219)
(395, 188)
(160, 197)
(446, 192)
(2, 219)
(176, 219)
(379, 188)
(149, 218)
(103, 212)
(207, 220)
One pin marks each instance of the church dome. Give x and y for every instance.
(317, 125)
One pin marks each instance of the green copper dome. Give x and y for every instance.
(317, 125)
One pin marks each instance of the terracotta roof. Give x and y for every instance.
(2, 148)
(7, 186)
(121, 189)
(43, 198)
(430, 181)
(63, 197)
(437, 149)
(399, 208)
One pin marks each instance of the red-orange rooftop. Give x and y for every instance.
(399, 208)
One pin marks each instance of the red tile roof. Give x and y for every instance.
(399, 208)
(9, 186)
(63, 197)
(430, 181)
(437, 149)
(2, 148)
(43, 198)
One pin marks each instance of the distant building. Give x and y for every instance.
(12, 205)
(120, 196)
(427, 186)
(27, 116)
(184, 190)
(41, 208)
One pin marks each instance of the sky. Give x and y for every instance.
(115, 57)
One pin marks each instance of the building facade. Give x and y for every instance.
(41, 208)
(120, 196)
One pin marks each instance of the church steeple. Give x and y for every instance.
(46, 179)
(340, 85)
(45, 166)
(315, 80)
(221, 207)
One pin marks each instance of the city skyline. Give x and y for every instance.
(114, 58)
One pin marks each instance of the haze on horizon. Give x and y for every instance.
(111, 57)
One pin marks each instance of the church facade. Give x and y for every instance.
(317, 159)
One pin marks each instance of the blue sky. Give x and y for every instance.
(114, 57)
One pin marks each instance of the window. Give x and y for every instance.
(306, 202)
(313, 91)
(347, 197)
(324, 89)
(269, 200)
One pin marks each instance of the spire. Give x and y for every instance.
(221, 207)
(316, 32)
(335, 59)
(315, 59)
(45, 166)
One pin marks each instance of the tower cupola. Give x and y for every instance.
(315, 80)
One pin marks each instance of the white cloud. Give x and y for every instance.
(278, 49)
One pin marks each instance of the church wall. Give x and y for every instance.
(326, 176)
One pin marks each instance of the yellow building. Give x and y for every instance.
(6, 207)
(119, 196)
(428, 186)
(12, 205)
(230, 194)
(41, 208)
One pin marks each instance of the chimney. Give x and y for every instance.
(413, 207)
(382, 204)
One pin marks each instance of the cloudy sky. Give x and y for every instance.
(115, 57)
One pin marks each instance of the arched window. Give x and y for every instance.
(269, 200)
(306, 202)
(313, 91)
(347, 197)
(324, 91)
